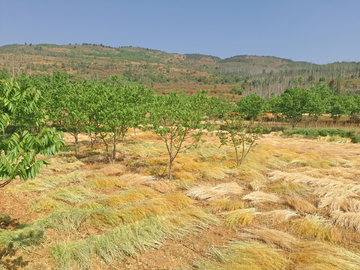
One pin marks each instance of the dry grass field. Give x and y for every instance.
(293, 204)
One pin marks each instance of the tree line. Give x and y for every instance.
(294, 103)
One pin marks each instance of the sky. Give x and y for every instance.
(317, 31)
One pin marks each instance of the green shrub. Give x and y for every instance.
(310, 132)
(355, 139)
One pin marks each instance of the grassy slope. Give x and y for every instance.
(293, 203)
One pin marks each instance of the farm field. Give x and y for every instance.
(293, 204)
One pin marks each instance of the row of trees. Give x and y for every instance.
(106, 110)
(33, 107)
(296, 102)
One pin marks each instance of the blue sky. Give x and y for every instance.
(318, 31)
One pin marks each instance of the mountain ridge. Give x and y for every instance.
(173, 71)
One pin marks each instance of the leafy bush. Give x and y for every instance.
(236, 91)
(355, 139)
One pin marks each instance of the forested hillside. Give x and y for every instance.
(165, 72)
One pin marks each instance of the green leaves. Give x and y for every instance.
(234, 130)
(117, 107)
(251, 106)
(340, 105)
(176, 118)
(18, 146)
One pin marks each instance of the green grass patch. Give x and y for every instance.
(312, 132)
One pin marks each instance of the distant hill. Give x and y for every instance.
(175, 72)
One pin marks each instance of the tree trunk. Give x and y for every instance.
(76, 135)
(114, 150)
(3, 184)
(236, 152)
(106, 145)
(242, 154)
(91, 140)
(170, 168)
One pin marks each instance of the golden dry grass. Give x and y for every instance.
(323, 181)
(138, 212)
(65, 166)
(279, 216)
(183, 175)
(74, 194)
(351, 205)
(113, 214)
(225, 204)
(347, 220)
(243, 255)
(89, 204)
(215, 172)
(212, 193)
(46, 204)
(336, 192)
(161, 186)
(113, 170)
(300, 205)
(321, 255)
(49, 183)
(128, 196)
(256, 185)
(184, 184)
(250, 173)
(335, 138)
(273, 238)
(134, 179)
(102, 217)
(154, 206)
(340, 204)
(240, 217)
(317, 227)
(146, 149)
(259, 197)
(105, 183)
(290, 188)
